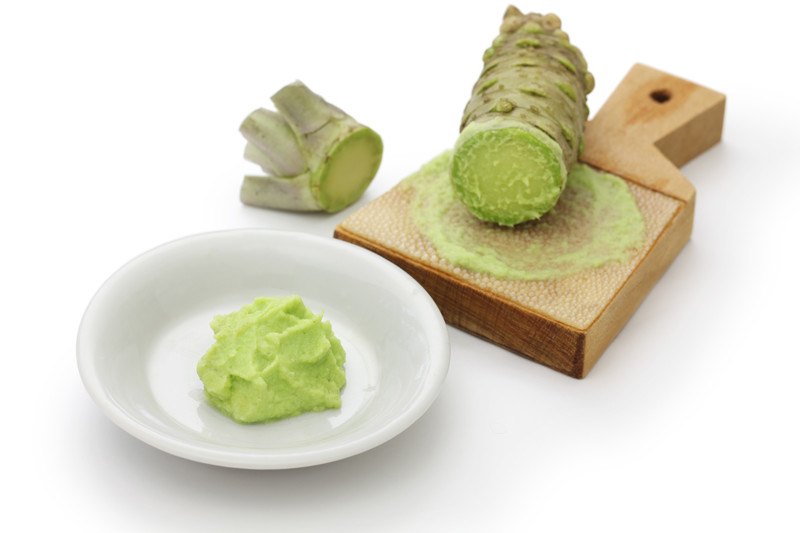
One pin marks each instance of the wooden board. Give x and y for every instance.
(651, 124)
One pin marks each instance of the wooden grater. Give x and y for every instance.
(651, 124)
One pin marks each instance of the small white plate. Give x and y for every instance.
(148, 325)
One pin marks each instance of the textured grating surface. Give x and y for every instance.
(576, 300)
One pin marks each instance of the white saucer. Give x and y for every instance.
(148, 325)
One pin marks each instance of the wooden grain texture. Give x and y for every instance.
(652, 123)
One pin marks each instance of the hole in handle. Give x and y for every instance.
(661, 95)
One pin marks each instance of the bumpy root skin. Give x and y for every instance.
(535, 80)
(532, 77)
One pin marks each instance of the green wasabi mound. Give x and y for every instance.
(596, 221)
(272, 359)
(522, 129)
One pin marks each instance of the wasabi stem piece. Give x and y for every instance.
(523, 127)
(254, 155)
(291, 194)
(317, 157)
(272, 144)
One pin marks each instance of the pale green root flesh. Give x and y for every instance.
(291, 194)
(349, 170)
(507, 175)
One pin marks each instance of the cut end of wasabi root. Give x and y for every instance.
(507, 175)
(315, 156)
(348, 171)
(522, 129)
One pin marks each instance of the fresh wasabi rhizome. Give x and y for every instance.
(522, 129)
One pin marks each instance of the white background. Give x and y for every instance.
(118, 131)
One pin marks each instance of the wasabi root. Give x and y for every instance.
(315, 156)
(522, 130)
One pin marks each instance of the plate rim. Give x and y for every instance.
(439, 357)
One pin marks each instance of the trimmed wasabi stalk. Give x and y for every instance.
(316, 156)
(291, 194)
(522, 130)
(271, 144)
